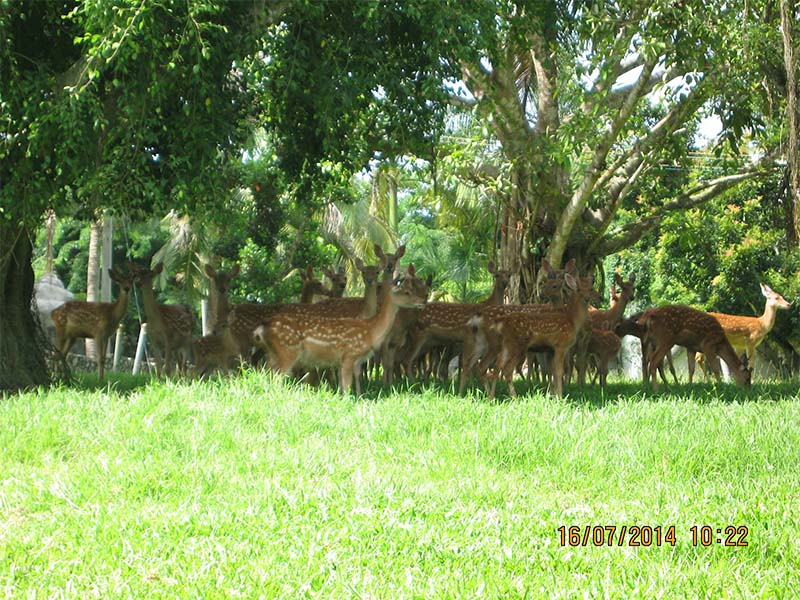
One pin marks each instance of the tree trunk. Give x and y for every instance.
(93, 277)
(793, 154)
(22, 363)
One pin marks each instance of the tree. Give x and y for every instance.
(132, 105)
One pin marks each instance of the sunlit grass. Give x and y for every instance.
(251, 487)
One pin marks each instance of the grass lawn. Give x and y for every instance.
(250, 487)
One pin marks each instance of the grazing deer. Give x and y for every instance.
(94, 320)
(315, 341)
(169, 326)
(555, 328)
(746, 333)
(219, 294)
(214, 351)
(695, 330)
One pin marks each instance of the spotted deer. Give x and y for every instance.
(445, 323)
(363, 307)
(219, 294)
(603, 346)
(338, 281)
(695, 330)
(214, 351)
(599, 320)
(169, 326)
(316, 341)
(93, 320)
(555, 328)
(746, 333)
(630, 326)
(245, 317)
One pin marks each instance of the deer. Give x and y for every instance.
(169, 326)
(363, 307)
(338, 281)
(93, 320)
(214, 351)
(746, 333)
(554, 328)
(695, 330)
(219, 294)
(630, 326)
(245, 317)
(446, 323)
(599, 318)
(316, 341)
(604, 345)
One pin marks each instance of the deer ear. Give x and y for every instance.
(383, 262)
(359, 264)
(378, 251)
(411, 270)
(618, 280)
(766, 290)
(571, 266)
(570, 281)
(401, 250)
(113, 275)
(491, 267)
(632, 278)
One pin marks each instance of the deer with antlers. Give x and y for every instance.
(555, 328)
(316, 341)
(93, 320)
(695, 330)
(169, 326)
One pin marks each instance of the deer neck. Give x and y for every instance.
(150, 306)
(614, 314)
(577, 310)
(767, 320)
(120, 307)
(496, 297)
(370, 299)
(381, 324)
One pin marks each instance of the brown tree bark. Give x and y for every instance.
(22, 363)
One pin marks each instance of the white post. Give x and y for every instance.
(204, 316)
(117, 347)
(137, 361)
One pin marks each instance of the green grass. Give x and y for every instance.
(250, 487)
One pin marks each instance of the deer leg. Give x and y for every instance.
(347, 377)
(100, 348)
(691, 360)
(558, 371)
(655, 360)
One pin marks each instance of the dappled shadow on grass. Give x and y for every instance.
(122, 384)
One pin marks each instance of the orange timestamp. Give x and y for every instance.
(646, 535)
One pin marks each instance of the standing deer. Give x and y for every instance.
(630, 326)
(556, 328)
(316, 341)
(695, 330)
(746, 333)
(94, 320)
(169, 326)
(244, 318)
(214, 351)
(219, 294)
(446, 323)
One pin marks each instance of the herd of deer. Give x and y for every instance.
(394, 323)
